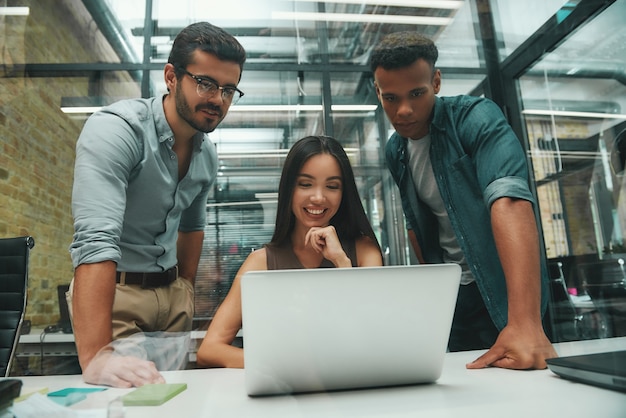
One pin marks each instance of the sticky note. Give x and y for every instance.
(70, 396)
(71, 391)
(154, 394)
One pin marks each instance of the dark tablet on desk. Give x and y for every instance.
(607, 370)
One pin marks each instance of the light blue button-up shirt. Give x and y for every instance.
(127, 201)
(476, 159)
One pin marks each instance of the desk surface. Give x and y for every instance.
(38, 343)
(37, 336)
(459, 392)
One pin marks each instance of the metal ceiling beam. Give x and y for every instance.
(111, 29)
(550, 35)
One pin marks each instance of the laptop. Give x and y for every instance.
(606, 370)
(316, 330)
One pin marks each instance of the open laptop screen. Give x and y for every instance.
(314, 330)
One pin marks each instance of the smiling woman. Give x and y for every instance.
(320, 223)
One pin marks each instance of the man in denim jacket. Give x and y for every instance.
(463, 179)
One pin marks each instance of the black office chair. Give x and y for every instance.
(14, 254)
(564, 318)
(605, 282)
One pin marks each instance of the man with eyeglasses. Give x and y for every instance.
(143, 172)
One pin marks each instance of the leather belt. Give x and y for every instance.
(148, 280)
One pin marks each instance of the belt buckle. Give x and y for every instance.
(146, 283)
(164, 279)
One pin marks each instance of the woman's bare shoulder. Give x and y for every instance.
(256, 260)
(368, 252)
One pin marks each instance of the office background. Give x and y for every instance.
(557, 68)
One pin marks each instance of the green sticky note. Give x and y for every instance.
(154, 394)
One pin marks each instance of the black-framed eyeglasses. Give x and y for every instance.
(207, 87)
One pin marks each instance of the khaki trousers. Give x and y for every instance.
(137, 310)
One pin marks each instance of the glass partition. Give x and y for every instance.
(514, 30)
(575, 114)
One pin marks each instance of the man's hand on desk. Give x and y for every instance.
(517, 349)
(109, 369)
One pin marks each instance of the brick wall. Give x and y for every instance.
(37, 140)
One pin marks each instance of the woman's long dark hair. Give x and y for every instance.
(350, 220)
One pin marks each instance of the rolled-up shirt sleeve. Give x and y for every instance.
(515, 187)
(106, 153)
(500, 160)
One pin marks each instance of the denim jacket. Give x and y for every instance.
(476, 159)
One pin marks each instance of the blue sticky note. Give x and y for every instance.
(70, 396)
(69, 391)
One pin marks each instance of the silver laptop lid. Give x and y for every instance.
(328, 329)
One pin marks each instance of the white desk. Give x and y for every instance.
(458, 393)
(37, 344)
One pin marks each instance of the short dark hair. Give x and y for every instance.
(208, 38)
(350, 221)
(401, 49)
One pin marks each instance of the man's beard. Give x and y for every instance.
(185, 112)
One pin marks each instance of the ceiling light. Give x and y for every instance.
(363, 18)
(429, 4)
(246, 203)
(277, 108)
(353, 108)
(257, 153)
(14, 11)
(80, 109)
(271, 153)
(248, 108)
(254, 108)
(302, 108)
(563, 113)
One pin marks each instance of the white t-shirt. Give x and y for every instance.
(428, 192)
